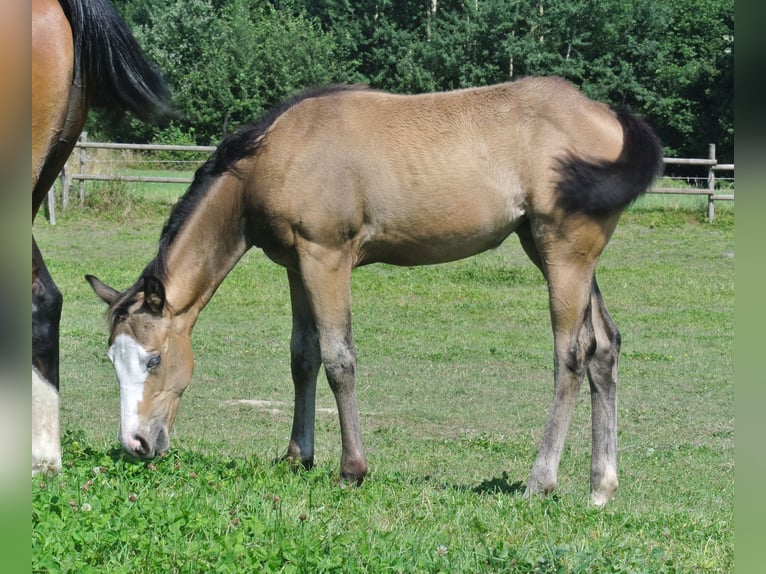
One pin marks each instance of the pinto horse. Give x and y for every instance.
(347, 176)
(83, 56)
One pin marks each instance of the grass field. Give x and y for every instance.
(454, 381)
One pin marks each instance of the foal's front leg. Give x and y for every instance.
(326, 278)
(305, 360)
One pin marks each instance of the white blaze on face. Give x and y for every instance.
(129, 360)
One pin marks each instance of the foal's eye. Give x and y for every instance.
(153, 362)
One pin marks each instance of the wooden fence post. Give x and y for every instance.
(65, 183)
(83, 159)
(711, 185)
(52, 204)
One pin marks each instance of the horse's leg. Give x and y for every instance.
(568, 268)
(305, 359)
(46, 316)
(326, 277)
(602, 375)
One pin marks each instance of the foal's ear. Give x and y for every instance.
(154, 294)
(107, 294)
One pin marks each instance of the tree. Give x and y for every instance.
(693, 98)
(228, 60)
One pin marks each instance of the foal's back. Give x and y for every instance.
(426, 178)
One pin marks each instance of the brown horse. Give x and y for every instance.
(83, 56)
(346, 176)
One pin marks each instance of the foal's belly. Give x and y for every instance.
(430, 239)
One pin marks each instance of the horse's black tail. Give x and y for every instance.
(608, 187)
(116, 73)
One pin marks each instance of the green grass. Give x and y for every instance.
(454, 381)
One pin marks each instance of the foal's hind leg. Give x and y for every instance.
(305, 360)
(567, 257)
(602, 375)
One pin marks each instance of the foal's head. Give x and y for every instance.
(152, 356)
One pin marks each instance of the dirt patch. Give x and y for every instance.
(276, 407)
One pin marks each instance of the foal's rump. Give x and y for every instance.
(441, 176)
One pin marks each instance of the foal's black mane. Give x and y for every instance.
(245, 142)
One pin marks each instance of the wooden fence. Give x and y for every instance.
(706, 184)
(711, 189)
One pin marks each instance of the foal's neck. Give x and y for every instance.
(208, 245)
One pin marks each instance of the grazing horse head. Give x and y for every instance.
(152, 358)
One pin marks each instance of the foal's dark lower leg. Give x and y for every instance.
(571, 355)
(339, 359)
(305, 360)
(326, 278)
(602, 375)
(572, 346)
(585, 340)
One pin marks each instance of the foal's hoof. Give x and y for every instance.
(350, 480)
(535, 486)
(600, 499)
(601, 496)
(603, 487)
(297, 463)
(352, 474)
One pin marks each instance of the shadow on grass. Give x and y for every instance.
(499, 484)
(117, 454)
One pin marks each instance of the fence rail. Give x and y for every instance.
(712, 192)
(711, 188)
(84, 144)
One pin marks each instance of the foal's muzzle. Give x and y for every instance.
(145, 446)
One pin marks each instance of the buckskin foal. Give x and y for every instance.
(346, 176)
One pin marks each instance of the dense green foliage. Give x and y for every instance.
(228, 60)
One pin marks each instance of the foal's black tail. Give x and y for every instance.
(108, 59)
(606, 187)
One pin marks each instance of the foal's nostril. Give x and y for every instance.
(142, 449)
